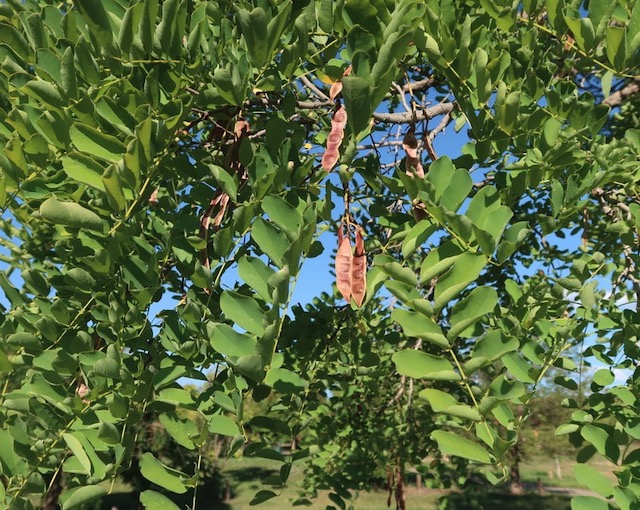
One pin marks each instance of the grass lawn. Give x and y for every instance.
(246, 487)
(246, 476)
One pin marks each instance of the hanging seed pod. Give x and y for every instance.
(336, 86)
(351, 268)
(343, 265)
(359, 270)
(412, 161)
(332, 152)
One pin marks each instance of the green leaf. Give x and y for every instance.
(284, 215)
(616, 48)
(284, 381)
(480, 302)
(438, 400)
(482, 77)
(494, 345)
(602, 440)
(582, 29)
(225, 180)
(442, 402)
(256, 274)
(270, 240)
(254, 29)
(80, 495)
(439, 260)
(512, 239)
(84, 169)
(107, 367)
(417, 325)
(68, 74)
(223, 425)
(604, 377)
(155, 501)
(92, 141)
(400, 273)
(593, 479)
(421, 365)
(95, 14)
(465, 270)
(71, 214)
(506, 107)
(243, 311)
(76, 447)
(45, 93)
(116, 115)
(633, 30)
(229, 342)
(588, 503)
(452, 444)
(181, 430)
(325, 15)
(416, 237)
(166, 30)
(26, 340)
(277, 26)
(262, 496)
(357, 101)
(156, 472)
(176, 396)
(506, 389)
(457, 190)
(489, 218)
(113, 186)
(384, 70)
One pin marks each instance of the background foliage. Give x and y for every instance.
(161, 188)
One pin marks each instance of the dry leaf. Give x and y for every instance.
(336, 88)
(419, 210)
(153, 199)
(332, 152)
(82, 391)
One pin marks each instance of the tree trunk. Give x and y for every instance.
(516, 484)
(51, 498)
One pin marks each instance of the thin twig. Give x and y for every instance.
(313, 88)
(402, 98)
(406, 118)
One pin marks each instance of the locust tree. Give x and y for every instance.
(169, 166)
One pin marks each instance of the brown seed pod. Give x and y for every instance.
(343, 265)
(351, 268)
(332, 152)
(336, 86)
(359, 270)
(412, 161)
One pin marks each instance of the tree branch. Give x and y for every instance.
(406, 118)
(620, 96)
(311, 86)
(415, 86)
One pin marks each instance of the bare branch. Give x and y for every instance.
(402, 98)
(416, 86)
(440, 127)
(312, 87)
(406, 118)
(620, 96)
